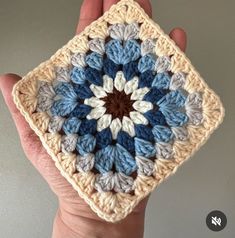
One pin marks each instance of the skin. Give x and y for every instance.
(74, 217)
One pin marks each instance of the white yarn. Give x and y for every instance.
(96, 113)
(115, 127)
(107, 84)
(104, 122)
(164, 150)
(128, 126)
(123, 183)
(94, 102)
(147, 47)
(97, 45)
(181, 133)
(68, 143)
(145, 166)
(85, 163)
(163, 64)
(119, 81)
(116, 31)
(78, 60)
(131, 85)
(131, 31)
(98, 91)
(138, 118)
(142, 106)
(139, 94)
(177, 81)
(104, 182)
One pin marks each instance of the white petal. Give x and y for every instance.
(116, 31)
(78, 60)
(104, 182)
(128, 126)
(119, 81)
(85, 163)
(177, 81)
(98, 91)
(163, 64)
(145, 166)
(131, 85)
(115, 127)
(147, 47)
(123, 183)
(142, 106)
(131, 31)
(104, 122)
(139, 93)
(107, 84)
(138, 118)
(164, 150)
(94, 102)
(68, 143)
(97, 45)
(96, 113)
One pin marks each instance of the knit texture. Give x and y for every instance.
(119, 109)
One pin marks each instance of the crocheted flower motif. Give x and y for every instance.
(119, 108)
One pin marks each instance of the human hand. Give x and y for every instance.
(74, 217)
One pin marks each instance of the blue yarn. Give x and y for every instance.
(122, 55)
(155, 118)
(87, 127)
(126, 141)
(71, 125)
(104, 159)
(175, 118)
(146, 63)
(80, 111)
(103, 138)
(110, 68)
(63, 107)
(94, 76)
(131, 51)
(77, 75)
(124, 162)
(85, 144)
(144, 148)
(171, 101)
(144, 132)
(114, 51)
(154, 95)
(130, 70)
(65, 90)
(146, 79)
(83, 91)
(161, 81)
(162, 133)
(95, 60)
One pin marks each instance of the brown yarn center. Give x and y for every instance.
(118, 104)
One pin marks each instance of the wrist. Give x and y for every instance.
(70, 225)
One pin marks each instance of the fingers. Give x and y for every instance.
(90, 11)
(25, 132)
(180, 38)
(145, 4)
(108, 3)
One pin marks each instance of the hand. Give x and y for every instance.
(74, 217)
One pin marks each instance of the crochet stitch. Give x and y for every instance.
(118, 108)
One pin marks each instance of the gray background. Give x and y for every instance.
(31, 31)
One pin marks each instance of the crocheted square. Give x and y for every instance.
(119, 108)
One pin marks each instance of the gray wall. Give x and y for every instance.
(31, 31)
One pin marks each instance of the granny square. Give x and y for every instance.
(119, 108)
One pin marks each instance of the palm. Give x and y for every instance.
(31, 144)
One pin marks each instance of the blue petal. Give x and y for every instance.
(104, 159)
(77, 75)
(144, 132)
(114, 51)
(83, 91)
(162, 133)
(95, 60)
(103, 138)
(171, 101)
(80, 111)
(94, 76)
(175, 118)
(130, 70)
(146, 63)
(161, 81)
(71, 125)
(65, 90)
(124, 162)
(87, 127)
(110, 68)
(85, 144)
(155, 118)
(126, 141)
(63, 107)
(154, 95)
(144, 148)
(146, 79)
(131, 51)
